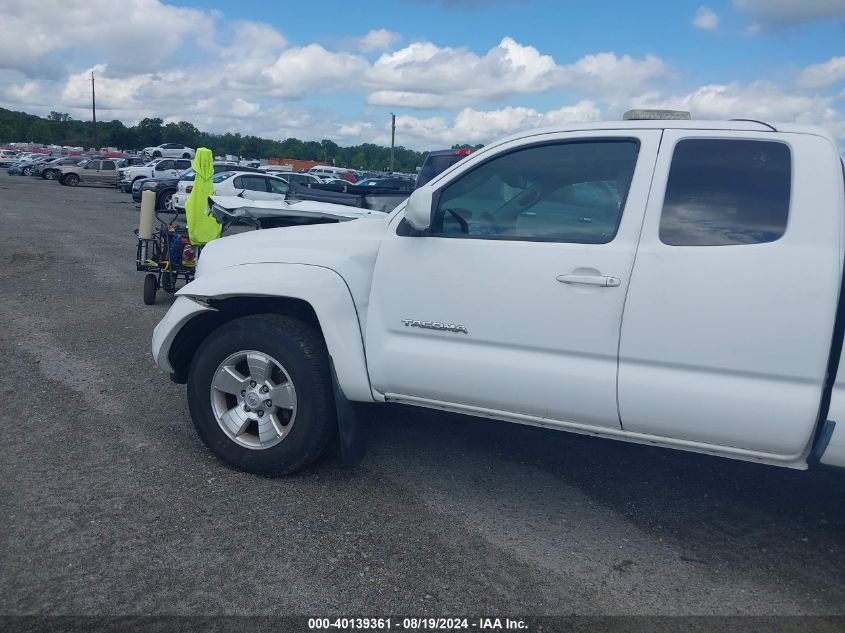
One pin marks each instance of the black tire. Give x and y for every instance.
(150, 288)
(167, 281)
(156, 154)
(164, 199)
(27, 171)
(302, 352)
(48, 174)
(186, 155)
(71, 180)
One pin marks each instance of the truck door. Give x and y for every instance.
(107, 171)
(92, 171)
(512, 302)
(730, 312)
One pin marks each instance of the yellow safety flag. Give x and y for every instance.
(202, 228)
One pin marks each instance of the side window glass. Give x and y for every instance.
(238, 183)
(726, 192)
(92, 164)
(183, 164)
(278, 186)
(562, 192)
(255, 183)
(108, 164)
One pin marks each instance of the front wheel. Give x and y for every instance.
(260, 394)
(27, 171)
(186, 155)
(156, 154)
(71, 180)
(48, 174)
(150, 288)
(165, 201)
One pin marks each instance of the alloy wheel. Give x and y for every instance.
(253, 399)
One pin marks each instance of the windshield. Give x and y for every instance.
(83, 162)
(153, 163)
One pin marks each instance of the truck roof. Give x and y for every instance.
(737, 125)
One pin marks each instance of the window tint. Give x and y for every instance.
(277, 185)
(183, 164)
(251, 183)
(566, 192)
(109, 164)
(723, 192)
(436, 164)
(92, 164)
(164, 165)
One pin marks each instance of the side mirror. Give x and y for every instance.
(418, 209)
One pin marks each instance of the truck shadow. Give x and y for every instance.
(713, 510)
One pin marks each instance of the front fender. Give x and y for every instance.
(322, 288)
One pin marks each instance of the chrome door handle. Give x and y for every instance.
(590, 280)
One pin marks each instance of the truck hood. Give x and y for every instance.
(348, 248)
(230, 210)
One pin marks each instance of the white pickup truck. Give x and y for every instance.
(668, 282)
(158, 168)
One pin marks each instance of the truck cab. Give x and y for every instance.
(669, 282)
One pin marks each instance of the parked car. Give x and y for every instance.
(157, 168)
(498, 288)
(90, 171)
(439, 161)
(387, 183)
(250, 185)
(169, 150)
(49, 169)
(294, 176)
(132, 161)
(327, 171)
(8, 157)
(25, 166)
(166, 187)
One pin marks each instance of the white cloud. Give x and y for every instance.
(300, 71)
(135, 36)
(760, 100)
(484, 126)
(415, 74)
(705, 18)
(243, 109)
(378, 40)
(768, 14)
(422, 75)
(251, 39)
(606, 74)
(823, 75)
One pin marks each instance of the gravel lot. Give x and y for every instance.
(111, 505)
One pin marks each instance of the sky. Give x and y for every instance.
(453, 71)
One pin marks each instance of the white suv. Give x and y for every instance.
(170, 150)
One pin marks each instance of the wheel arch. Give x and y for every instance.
(318, 296)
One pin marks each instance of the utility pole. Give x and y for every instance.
(94, 110)
(392, 138)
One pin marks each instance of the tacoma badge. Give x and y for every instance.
(435, 325)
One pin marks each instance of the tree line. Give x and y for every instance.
(60, 129)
